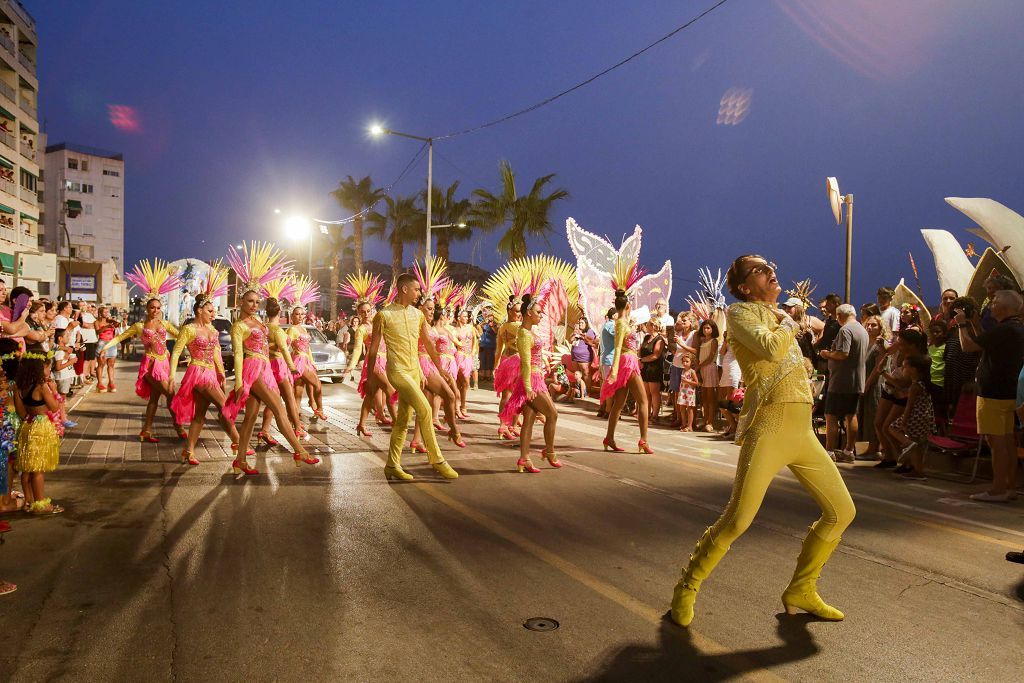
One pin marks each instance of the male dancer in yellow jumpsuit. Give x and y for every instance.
(774, 432)
(402, 326)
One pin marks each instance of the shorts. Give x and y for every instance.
(995, 415)
(90, 351)
(674, 375)
(111, 352)
(886, 396)
(840, 404)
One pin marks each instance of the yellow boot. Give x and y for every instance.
(444, 469)
(802, 593)
(706, 555)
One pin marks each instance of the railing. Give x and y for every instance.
(9, 91)
(28, 195)
(8, 234)
(27, 152)
(8, 187)
(7, 42)
(28, 109)
(26, 62)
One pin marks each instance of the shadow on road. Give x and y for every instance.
(676, 658)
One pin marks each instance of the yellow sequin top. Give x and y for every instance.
(768, 354)
(279, 345)
(358, 346)
(506, 339)
(186, 336)
(400, 326)
(296, 332)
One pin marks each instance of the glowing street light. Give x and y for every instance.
(376, 130)
(299, 228)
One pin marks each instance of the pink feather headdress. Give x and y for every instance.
(258, 264)
(627, 273)
(216, 282)
(154, 279)
(363, 288)
(392, 291)
(431, 278)
(305, 291)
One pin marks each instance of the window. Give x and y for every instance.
(72, 186)
(87, 209)
(111, 172)
(87, 188)
(111, 191)
(85, 164)
(28, 181)
(73, 164)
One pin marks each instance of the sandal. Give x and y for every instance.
(7, 587)
(45, 507)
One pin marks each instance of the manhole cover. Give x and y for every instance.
(540, 624)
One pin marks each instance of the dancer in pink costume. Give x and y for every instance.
(306, 293)
(374, 388)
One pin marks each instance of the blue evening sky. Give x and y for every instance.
(249, 106)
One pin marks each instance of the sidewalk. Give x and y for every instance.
(109, 425)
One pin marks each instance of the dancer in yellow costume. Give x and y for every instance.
(402, 326)
(774, 431)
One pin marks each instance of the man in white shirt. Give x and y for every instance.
(890, 314)
(88, 335)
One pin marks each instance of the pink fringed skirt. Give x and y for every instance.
(464, 364)
(629, 365)
(183, 405)
(302, 363)
(253, 369)
(506, 374)
(517, 399)
(159, 370)
(450, 365)
(427, 366)
(281, 372)
(380, 366)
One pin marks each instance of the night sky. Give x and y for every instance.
(243, 107)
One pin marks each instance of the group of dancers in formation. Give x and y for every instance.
(418, 351)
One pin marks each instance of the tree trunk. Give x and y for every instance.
(334, 286)
(397, 253)
(357, 242)
(442, 244)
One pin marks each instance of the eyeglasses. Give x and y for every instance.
(762, 268)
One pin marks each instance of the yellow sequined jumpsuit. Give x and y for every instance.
(774, 431)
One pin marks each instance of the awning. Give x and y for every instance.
(7, 261)
(25, 216)
(6, 209)
(74, 204)
(5, 163)
(7, 114)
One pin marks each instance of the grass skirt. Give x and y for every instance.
(183, 405)
(629, 365)
(38, 445)
(160, 370)
(253, 369)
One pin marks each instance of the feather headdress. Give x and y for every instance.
(711, 287)
(216, 281)
(506, 287)
(305, 290)
(362, 288)
(627, 273)
(281, 288)
(154, 279)
(803, 290)
(432, 277)
(466, 294)
(448, 295)
(701, 309)
(258, 264)
(392, 291)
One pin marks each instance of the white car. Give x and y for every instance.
(328, 359)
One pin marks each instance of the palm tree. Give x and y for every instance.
(357, 196)
(402, 222)
(445, 209)
(522, 216)
(339, 251)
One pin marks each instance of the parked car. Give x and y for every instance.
(328, 359)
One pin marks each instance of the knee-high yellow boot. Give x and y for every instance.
(706, 555)
(802, 592)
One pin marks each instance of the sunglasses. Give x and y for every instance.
(762, 268)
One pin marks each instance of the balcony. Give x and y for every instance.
(8, 234)
(27, 152)
(7, 139)
(8, 91)
(8, 187)
(28, 109)
(26, 62)
(28, 195)
(7, 42)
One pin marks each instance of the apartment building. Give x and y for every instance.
(20, 156)
(85, 194)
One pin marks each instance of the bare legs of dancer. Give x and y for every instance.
(543, 405)
(258, 394)
(156, 390)
(634, 386)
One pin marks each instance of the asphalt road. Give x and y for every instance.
(330, 573)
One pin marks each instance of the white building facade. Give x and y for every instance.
(20, 147)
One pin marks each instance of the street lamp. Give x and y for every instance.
(838, 201)
(377, 130)
(298, 228)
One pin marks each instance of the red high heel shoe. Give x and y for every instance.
(187, 458)
(182, 432)
(301, 433)
(504, 433)
(320, 415)
(234, 447)
(456, 439)
(264, 437)
(643, 447)
(610, 446)
(417, 447)
(146, 436)
(242, 467)
(362, 431)
(524, 465)
(440, 428)
(551, 457)
(304, 457)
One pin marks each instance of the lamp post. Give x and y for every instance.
(377, 130)
(838, 201)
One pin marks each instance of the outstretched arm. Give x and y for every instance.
(171, 329)
(133, 331)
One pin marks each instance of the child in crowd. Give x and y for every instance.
(11, 500)
(912, 429)
(63, 371)
(38, 438)
(686, 397)
(938, 333)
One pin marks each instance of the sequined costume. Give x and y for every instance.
(464, 355)
(427, 366)
(298, 343)
(446, 350)
(626, 362)
(251, 348)
(531, 369)
(774, 431)
(205, 369)
(507, 371)
(380, 365)
(400, 327)
(282, 364)
(154, 361)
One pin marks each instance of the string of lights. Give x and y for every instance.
(588, 81)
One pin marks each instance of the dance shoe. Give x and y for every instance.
(396, 472)
(524, 465)
(644, 447)
(264, 437)
(551, 457)
(802, 593)
(187, 458)
(303, 457)
(706, 555)
(444, 469)
(240, 466)
(145, 436)
(609, 445)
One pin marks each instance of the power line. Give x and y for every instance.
(387, 191)
(588, 81)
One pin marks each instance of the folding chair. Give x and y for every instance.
(963, 433)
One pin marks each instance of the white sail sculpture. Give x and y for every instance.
(1003, 227)
(952, 266)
